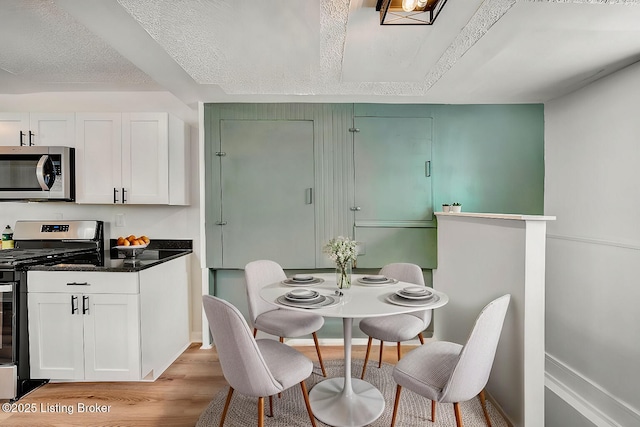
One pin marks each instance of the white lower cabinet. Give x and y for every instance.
(78, 336)
(107, 326)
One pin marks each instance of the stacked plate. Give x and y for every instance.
(376, 280)
(306, 298)
(303, 295)
(413, 296)
(302, 280)
(415, 292)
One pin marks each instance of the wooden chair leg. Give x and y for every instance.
(271, 406)
(421, 338)
(380, 358)
(399, 352)
(483, 402)
(280, 394)
(315, 340)
(395, 405)
(433, 411)
(226, 406)
(307, 403)
(261, 411)
(366, 358)
(255, 331)
(456, 410)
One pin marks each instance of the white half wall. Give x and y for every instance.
(480, 258)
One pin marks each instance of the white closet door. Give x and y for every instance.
(268, 192)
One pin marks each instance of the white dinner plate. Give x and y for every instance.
(325, 301)
(423, 297)
(309, 296)
(376, 278)
(416, 290)
(393, 298)
(388, 281)
(291, 282)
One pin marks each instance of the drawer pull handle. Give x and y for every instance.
(78, 284)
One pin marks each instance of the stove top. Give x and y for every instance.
(52, 242)
(16, 258)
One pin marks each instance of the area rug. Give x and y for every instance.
(289, 411)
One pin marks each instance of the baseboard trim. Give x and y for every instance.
(588, 398)
(499, 408)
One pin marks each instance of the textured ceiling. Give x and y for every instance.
(54, 48)
(225, 50)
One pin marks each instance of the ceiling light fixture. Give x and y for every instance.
(409, 12)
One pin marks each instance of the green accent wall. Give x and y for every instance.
(490, 158)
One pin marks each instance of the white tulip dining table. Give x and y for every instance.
(346, 401)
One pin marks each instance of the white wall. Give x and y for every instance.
(157, 222)
(592, 149)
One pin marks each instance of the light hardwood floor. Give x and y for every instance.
(177, 398)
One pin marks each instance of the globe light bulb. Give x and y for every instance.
(408, 5)
(421, 3)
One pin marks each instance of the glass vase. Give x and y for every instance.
(343, 275)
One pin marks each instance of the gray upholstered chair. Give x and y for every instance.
(446, 372)
(253, 367)
(399, 327)
(271, 319)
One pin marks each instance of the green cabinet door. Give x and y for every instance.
(267, 176)
(393, 207)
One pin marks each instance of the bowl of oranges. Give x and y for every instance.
(131, 246)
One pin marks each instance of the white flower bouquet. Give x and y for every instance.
(343, 251)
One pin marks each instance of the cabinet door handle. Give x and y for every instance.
(78, 284)
(356, 208)
(427, 168)
(85, 304)
(74, 304)
(308, 196)
(115, 195)
(21, 138)
(31, 134)
(124, 195)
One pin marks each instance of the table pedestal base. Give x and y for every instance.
(346, 401)
(334, 405)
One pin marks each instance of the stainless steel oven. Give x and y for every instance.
(37, 173)
(37, 243)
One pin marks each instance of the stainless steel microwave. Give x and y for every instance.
(37, 173)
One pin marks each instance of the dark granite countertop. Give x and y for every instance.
(158, 252)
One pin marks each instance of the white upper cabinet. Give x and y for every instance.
(42, 129)
(131, 158)
(98, 157)
(145, 158)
